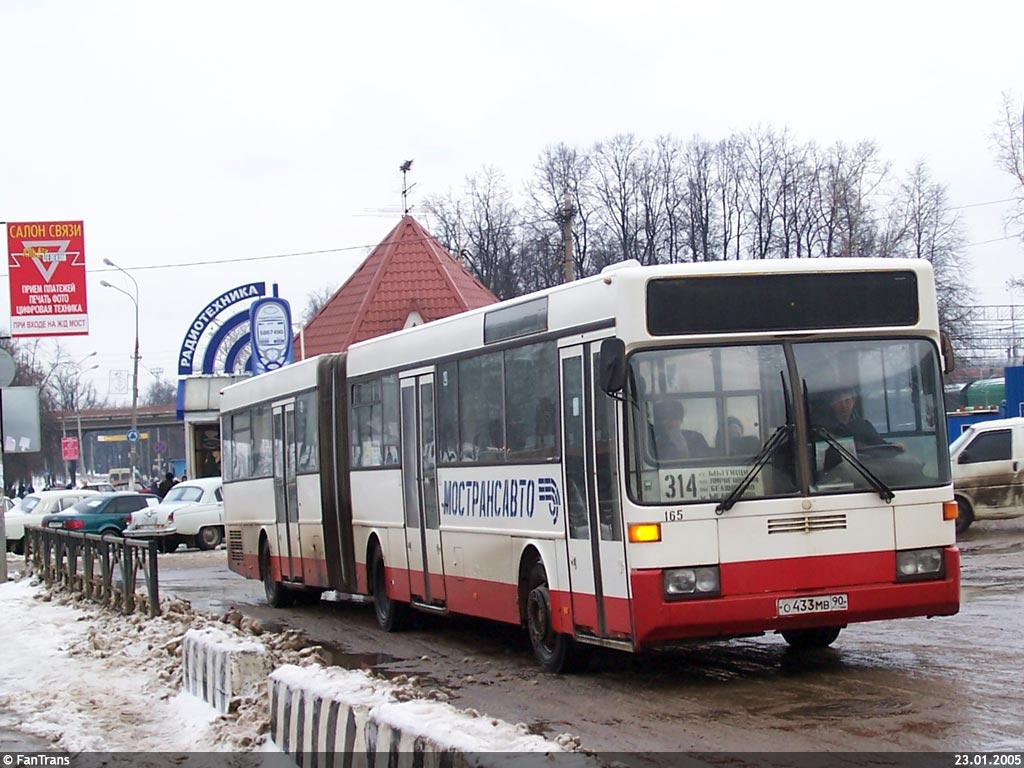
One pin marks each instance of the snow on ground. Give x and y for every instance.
(87, 680)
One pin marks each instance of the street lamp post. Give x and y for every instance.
(135, 368)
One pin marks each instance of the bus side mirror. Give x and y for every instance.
(613, 365)
(946, 347)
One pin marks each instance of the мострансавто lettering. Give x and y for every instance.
(489, 498)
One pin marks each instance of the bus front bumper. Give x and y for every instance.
(657, 620)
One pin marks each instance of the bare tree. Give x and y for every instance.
(795, 182)
(484, 231)
(729, 172)
(315, 301)
(932, 231)
(561, 174)
(670, 157)
(701, 200)
(616, 192)
(760, 157)
(1008, 140)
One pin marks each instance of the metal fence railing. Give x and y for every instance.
(103, 568)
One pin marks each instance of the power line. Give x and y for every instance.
(979, 205)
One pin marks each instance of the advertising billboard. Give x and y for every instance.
(270, 327)
(46, 264)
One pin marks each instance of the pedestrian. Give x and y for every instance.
(165, 485)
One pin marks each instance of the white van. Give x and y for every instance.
(121, 478)
(988, 471)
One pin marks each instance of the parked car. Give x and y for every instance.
(100, 487)
(988, 471)
(101, 513)
(35, 507)
(192, 512)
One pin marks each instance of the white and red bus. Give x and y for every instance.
(525, 462)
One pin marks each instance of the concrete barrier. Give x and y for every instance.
(216, 667)
(328, 717)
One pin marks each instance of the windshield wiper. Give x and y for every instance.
(885, 493)
(779, 436)
(762, 456)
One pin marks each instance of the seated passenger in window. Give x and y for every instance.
(669, 439)
(734, 441)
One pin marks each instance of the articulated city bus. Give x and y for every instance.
(648, 455)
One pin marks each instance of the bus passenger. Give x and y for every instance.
(670, 440)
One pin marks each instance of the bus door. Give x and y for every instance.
(596, 550)
(419, 487)
(286, 494)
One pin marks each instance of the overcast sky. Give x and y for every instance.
(191, 135)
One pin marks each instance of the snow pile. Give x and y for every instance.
(91, 680)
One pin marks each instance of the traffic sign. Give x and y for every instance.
(133, 435)
(160, 447)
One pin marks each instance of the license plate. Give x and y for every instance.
(55, 525)
(797, 606)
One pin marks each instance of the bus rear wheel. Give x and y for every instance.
(392, 616)
(277, 595)
(819, 637)
(554, 651)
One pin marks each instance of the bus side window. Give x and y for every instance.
(366, 424)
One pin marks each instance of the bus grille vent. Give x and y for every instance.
(807, 524)
(235, 547)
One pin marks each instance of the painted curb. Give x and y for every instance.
(331, 718)
(217, 667)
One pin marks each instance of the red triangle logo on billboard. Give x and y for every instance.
(46, 261)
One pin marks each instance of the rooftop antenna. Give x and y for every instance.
(405, 168)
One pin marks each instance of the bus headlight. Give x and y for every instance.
(913, 564)
(681, 583)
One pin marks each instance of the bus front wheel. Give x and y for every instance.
(554, 651)
(277, 595)
(819, 637)
(392, 616)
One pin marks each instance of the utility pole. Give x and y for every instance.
(566, 216)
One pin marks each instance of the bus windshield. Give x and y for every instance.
(701, 415)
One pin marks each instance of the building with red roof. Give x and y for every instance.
(409, 279)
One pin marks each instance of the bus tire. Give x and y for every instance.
(277, 595)
(392, 616)
(964, 515)
(818, 637)
(554, 651)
